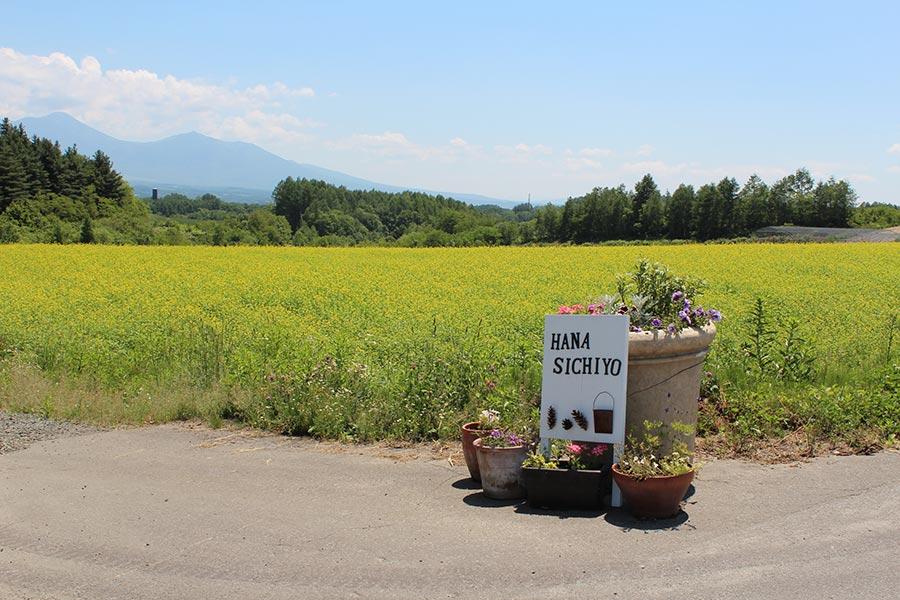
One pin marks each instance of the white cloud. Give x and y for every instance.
(894, 149)
(140, 104)
(894, 169)
(458, 142)
(654, 167)
(860, 177)
(594, 152)
(644, 150)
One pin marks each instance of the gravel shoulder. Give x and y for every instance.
(19, 431)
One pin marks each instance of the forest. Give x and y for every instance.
(51, 195)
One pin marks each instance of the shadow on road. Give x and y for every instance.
(466, 483)
(526, 509)
(626, 522)
(481, 501)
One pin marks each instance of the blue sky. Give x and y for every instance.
(504, 100)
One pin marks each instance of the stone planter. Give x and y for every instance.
(470, 433)
(664, 373)
(501, 470)
(565, 488)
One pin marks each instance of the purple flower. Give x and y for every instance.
(496, 433)
(699, 312)
(636, 329)
(687, 304)
(715, 315)
(656, 322)
(671, 328)
(677, 296)
(684, 316)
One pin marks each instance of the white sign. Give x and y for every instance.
(585, 377)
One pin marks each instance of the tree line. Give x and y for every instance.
(48, 194)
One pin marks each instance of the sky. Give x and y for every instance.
(504, 99)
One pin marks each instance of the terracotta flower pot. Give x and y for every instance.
(564, 488)
(653, 497)
(470, 433)
(501, 470)
(664, 378)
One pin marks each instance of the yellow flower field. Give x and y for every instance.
(124, 316)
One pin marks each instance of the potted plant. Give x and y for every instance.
(487, 420)
(575, 475)
(669, 338)
(653, 482)
(500, 454)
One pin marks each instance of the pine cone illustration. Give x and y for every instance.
(551, 418)
(580, 419)
(567, 424)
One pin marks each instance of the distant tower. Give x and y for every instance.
(155, 194)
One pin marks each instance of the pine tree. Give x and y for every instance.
(679, 211)
(107, 183)
(13, 178)
(87, 231)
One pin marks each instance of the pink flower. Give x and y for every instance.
(599, 450)
(565, 310)
(578, 308)
(574, 448)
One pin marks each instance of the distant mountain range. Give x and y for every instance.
(193, 164)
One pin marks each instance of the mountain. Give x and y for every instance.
(193, 163)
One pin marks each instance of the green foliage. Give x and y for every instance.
(652, 285)
(782, 355)
(87, 231)
(643, 456)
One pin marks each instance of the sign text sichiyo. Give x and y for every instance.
(585, 376)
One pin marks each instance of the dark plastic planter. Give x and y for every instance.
(564, 488)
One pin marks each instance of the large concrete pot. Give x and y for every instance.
(664, 373)
(501, 470)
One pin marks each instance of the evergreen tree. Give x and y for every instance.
(13, 179)
(679, 210)
(643, 191)
(708, 213)
(76, 173)
(730, 219)
(107, 183)
(87, 231)
(753, 204)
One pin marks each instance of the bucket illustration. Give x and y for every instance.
(603, 412)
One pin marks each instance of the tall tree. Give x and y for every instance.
(13, 179)
(708, 213)
(730, 218)
(107, 183)
(753, 204)
(679, 211)
(643, 191)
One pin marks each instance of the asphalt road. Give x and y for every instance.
(170, 512)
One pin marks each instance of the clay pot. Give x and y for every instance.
(564, 488)
(501, 470)
(653, 497)
(470, 433)
(664, 379)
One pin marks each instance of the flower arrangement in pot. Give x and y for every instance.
(670, 334)
(653, 482)
(487, 420)
(500, 454)
(574, 475)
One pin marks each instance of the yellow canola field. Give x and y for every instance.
(129, 314)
